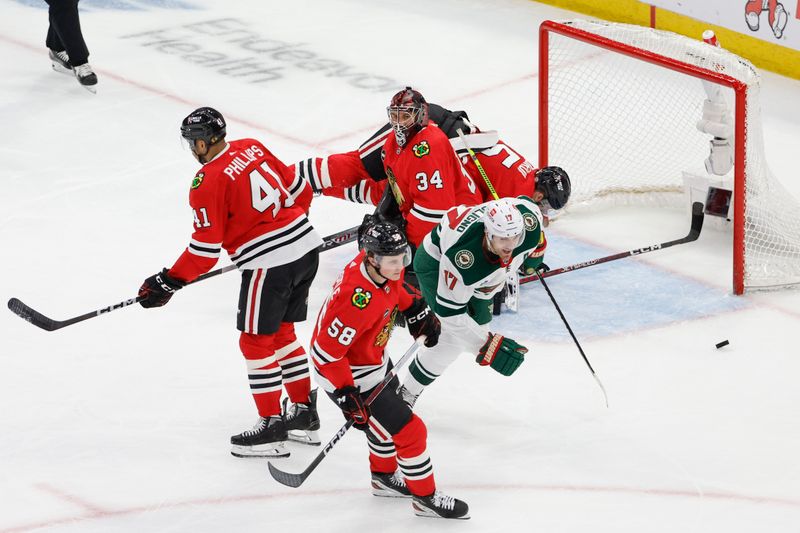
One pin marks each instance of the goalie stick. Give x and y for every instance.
(295, 480)
(694, 233)
(36, 318)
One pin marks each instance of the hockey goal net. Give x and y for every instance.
(618, 108)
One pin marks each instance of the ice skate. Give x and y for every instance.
(389, 485)
(266, 439)
(440, 505)
(60, 61)
(86, 77)
(407, 396)
(302, 420)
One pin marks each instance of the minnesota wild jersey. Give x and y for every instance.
(454, 266)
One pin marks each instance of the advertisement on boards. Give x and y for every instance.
(774, 21)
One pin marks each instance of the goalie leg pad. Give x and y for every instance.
(720, 158)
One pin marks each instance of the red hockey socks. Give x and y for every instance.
(263, 372)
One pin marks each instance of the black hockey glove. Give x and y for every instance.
(422, 321)
(502, 354)
(349, 400)
(158, 289)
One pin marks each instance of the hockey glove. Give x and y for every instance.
(422, 321)
(349, 400)
(158, 289)
(502, 354)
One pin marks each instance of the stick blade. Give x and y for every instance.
(697, 220)
(29, 314)
(286, 478)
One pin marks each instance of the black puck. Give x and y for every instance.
(723, 343)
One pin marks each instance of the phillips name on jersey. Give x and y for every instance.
(240, 202)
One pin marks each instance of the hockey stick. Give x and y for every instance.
(295, 480)
(541, 278)
(694, 233)
(36, 318)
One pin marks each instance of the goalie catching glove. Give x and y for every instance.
(422, 321)
(502, 354)
(349, 400)
(158, 289)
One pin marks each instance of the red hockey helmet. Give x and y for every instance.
(408, 113)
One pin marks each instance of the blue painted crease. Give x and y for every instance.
(610, 299)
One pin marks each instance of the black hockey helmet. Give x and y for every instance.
(204, 123)
(386, 239)
(554, 184)
(408, 113)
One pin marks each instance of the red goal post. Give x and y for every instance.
(618, 105)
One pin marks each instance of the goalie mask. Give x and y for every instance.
(554, 184)
(504, 227)
(408, 113)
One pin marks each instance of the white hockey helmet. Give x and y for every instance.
(503, 219)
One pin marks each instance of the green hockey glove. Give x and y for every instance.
(502, 354)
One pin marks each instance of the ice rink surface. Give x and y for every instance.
(121, 423)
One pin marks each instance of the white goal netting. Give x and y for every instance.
(625, 130)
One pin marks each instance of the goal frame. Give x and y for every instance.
(740, 113)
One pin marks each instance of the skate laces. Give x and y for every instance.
(397, 479)
(407, 396)
(62, 55)
(294, 410)
(444, 501)
(83, 70)
(260, 425)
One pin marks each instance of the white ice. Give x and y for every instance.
(121, 423)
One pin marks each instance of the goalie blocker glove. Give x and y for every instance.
(158, 289)
(349, 400)
(422, 321)
(502, 354)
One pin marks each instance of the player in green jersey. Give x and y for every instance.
(461, 265)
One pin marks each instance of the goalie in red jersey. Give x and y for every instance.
(241, 203)
(425, 174)
(347, 349)
(359, 176)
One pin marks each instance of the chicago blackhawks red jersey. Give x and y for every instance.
(353, 327)
(240, 201)
(427, 179)
(511, 174)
